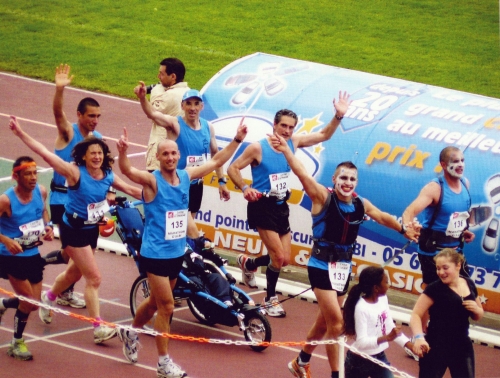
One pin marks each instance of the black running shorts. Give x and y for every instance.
(22, 268)
(269, 215)
(162, 267)
(318, 278)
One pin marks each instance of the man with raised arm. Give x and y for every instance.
(195, 138)
(268, 194)
(336, 218)
(69, 134)
(165, 97)
(166, 199)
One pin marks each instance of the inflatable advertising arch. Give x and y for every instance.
(393, 131)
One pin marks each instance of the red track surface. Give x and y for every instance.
(66, 349)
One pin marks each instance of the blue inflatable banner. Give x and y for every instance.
(393, 131)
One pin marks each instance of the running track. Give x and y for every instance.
(65, 348)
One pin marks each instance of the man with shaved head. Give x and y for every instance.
(166, 199)
(444, 203)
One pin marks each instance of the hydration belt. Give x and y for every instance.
(332, 252)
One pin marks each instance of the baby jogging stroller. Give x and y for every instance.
(238, 309)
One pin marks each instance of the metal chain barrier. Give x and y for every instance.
(340, 341)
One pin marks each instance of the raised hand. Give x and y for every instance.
(14, 126)
(278, 142)
(242, 131)
(342, 104)
(62, 77)
(122, 143)
(140, 90)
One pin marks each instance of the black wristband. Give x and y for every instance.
(222, 180)
(403, 229)
(237, 140)
(339, 118)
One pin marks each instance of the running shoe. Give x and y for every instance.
(44, 313)
(130, 342)
(273, 307)
(19, 350)
(170, 370)
(69, 298)
(299, 371)
(247, 275)
(103, 333)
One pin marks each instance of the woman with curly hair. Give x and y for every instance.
(367, 318)
(89, 179)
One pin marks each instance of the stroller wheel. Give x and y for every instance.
(198, 314)
(139, 293)
(258, 330)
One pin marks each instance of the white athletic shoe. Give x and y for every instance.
(69, 298)
(170, 370)
(45, 314)
(103, 333)
(273, 307)
(130, 344)
(248, 276)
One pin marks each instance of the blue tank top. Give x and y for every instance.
(58, 198)
(22, 214)
(194, 145)
(318, 230)
(452, 203)
(168, 201)
(88, 190)
(272, 162)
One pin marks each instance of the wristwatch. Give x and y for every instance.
(222, 181)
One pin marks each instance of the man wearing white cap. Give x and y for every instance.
(195, 138)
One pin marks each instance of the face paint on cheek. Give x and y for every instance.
(348, 185)
(456, 170)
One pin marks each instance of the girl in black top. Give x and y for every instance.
(450, 301)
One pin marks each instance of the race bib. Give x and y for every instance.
(31, 232)
(339, 274)
(279, 184)
(196, 161)
(457, 224)
(95, 211)
(176, 224)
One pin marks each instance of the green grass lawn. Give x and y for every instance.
(111, 45)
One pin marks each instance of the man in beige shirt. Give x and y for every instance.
(165, 97)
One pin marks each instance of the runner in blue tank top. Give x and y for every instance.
(444, 207)
(195, 138)
(68, 135)
(166, 198)
(23, 220)
(267, 209)
(88, 180)
(335, 233)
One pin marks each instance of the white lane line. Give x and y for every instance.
(70, 88)
(55, 127)
(48, 339)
